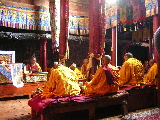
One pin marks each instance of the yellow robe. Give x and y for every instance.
(131, 73)
(150, 76)
(78, 72)
(86, 74)
(115, 72)
(99, 85)
(62, 82)
(39, 67)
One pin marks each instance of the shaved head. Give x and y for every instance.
(151, 62)
(127, 56)
(107, 57)
(106, 60)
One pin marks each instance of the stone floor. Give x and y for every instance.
(17, 109)
(14, 109)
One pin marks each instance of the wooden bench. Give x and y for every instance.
(77, 104)
(140, 97)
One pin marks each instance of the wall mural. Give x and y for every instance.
(24, 18)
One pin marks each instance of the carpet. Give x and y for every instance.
(153, 114)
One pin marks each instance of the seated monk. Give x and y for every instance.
(33, 66)
(131, 72)
(103, 80)
(78, 72)
(62, 82)
(55, 65)
(84, 69)
(150, 77)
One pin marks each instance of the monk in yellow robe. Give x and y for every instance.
(103, 80)
(76, 70)
(62, 82)
(85, 69)
(55, 65)
(150, 77)
(131, 72)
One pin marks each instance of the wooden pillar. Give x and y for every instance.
(150, 56)
(44, 55)
(96, 29)
(102, 26)
(41, 53)
(64, 17)
(155, 27)
(158, 98)
(114, 46)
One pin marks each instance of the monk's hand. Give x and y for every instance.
(88, 69)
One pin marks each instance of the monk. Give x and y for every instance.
(62, 82)
(131, 72)
(103, 80)
(84, 69)
(55, 65)
(33, 66)
(150, 77)
(78, 72)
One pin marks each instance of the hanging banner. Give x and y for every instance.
(24, 18)
(124, 11)
(139, 12)
(111, 14)
(54, 9)
(78, 25)
(151, 7)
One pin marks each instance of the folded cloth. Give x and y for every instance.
(38, 103)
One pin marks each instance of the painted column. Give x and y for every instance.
(155, 27)
(64, 18)
(41, 53)
(44, 55)
(150, 56)
(114, 46)
(102, 26)
(158, 59)
(94, 29)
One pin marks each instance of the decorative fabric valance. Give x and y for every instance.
(24, 18)
(78, 25)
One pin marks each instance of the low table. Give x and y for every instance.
(35, 77)
(9, 90)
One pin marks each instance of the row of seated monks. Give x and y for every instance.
(63, 81)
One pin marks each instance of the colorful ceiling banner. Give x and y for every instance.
(78, 25)
(151, 7)
(24, 18)
(111, 14)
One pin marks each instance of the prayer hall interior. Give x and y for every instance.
(79, 59)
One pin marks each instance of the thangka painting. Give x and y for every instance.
(7, 57)
(151, 7)
(124, 11)
(24, 18)
(111, 14)
(78, 25)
